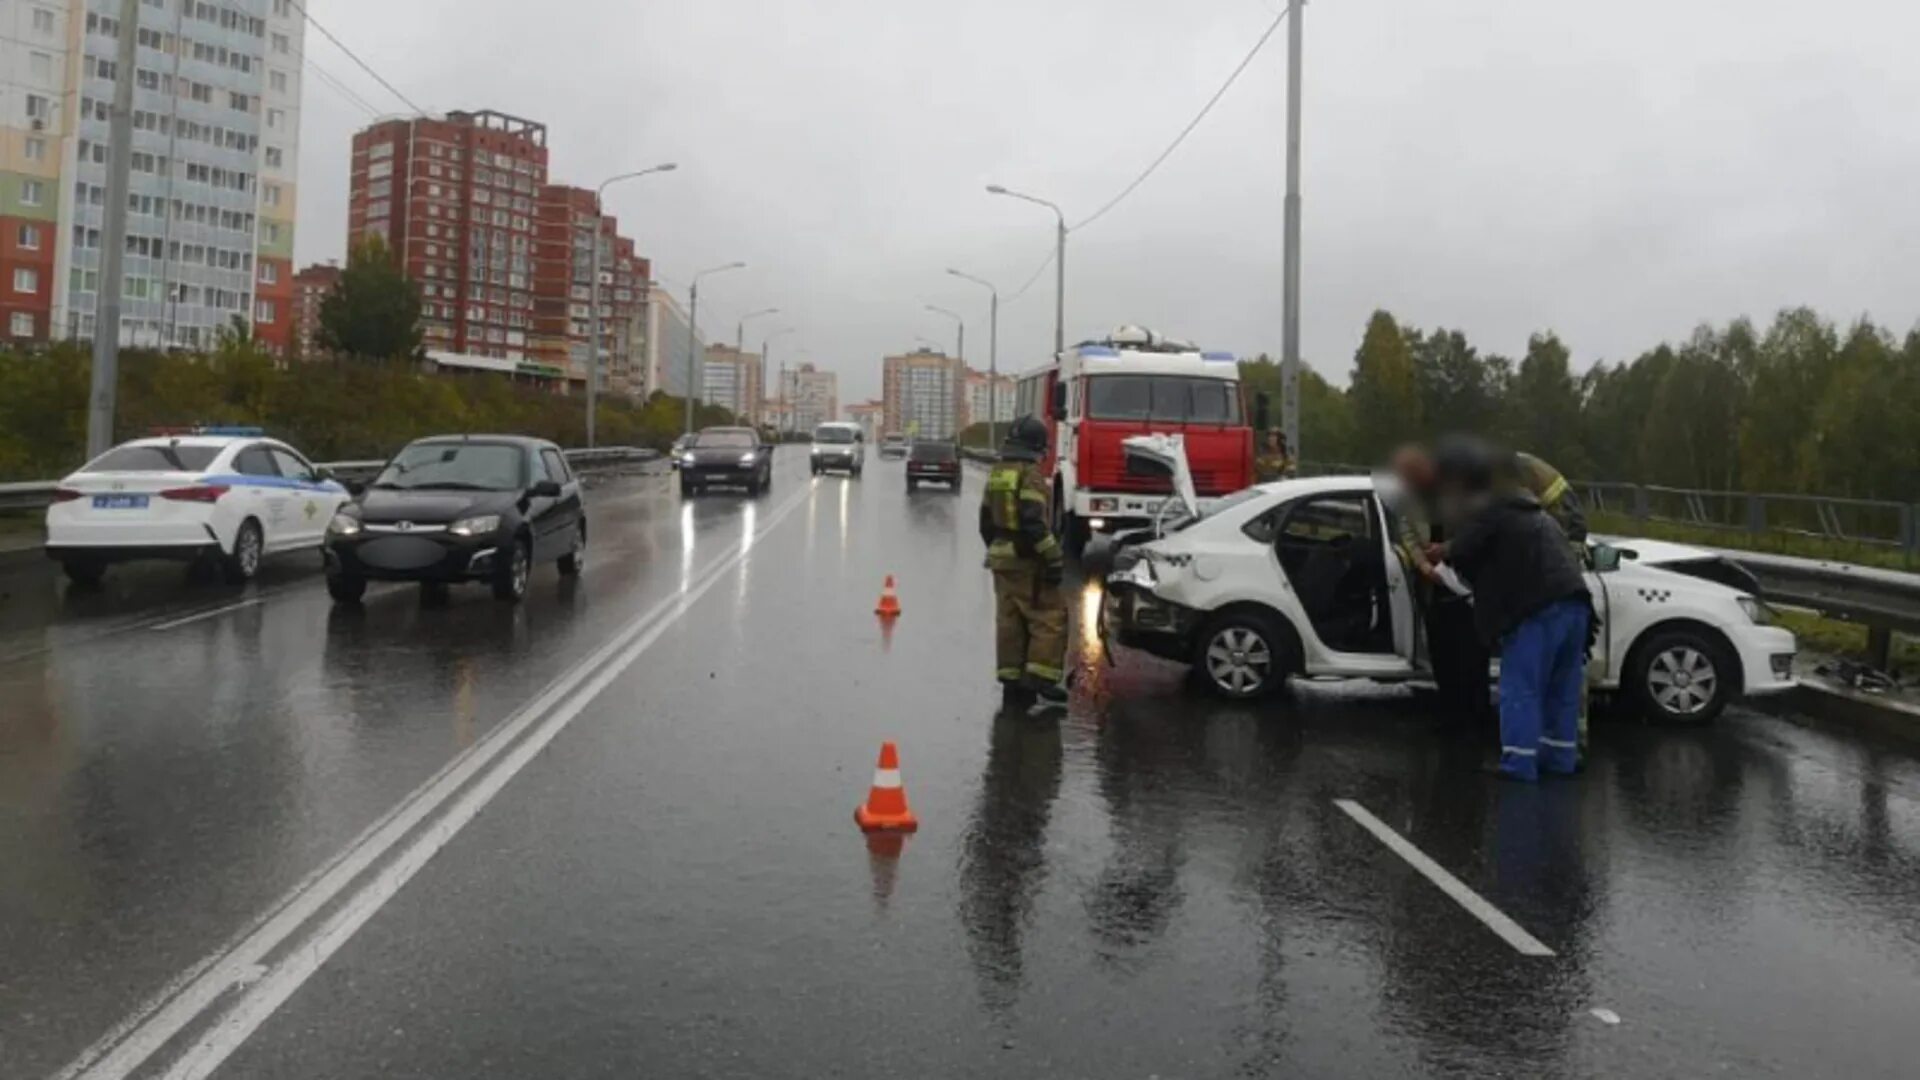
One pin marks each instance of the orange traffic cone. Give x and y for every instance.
(886, 806)
(889, 606)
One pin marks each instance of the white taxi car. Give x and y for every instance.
(233, 497)
(1300, 577)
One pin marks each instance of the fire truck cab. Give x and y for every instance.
(1134, 382)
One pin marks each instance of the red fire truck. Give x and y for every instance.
(1134, 383)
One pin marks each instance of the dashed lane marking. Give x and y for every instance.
(1496, 920)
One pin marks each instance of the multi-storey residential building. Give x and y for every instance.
(731, 380)
(216, 119)
(568, 221)
(814, 396)
(455, 198)
(668, 362)
(924, 394)
(310, 287)
(980, 390)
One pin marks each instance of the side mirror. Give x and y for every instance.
(1262, 412)
(1059, 401)
(356, 487)
(1605, 558)
(320, 475)
(545, 489)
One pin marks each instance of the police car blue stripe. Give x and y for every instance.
(1217, 357)
(287, 482)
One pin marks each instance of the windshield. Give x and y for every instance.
(723, 440)
(933, 451)
(1173, 399)
(829, 434)
(894, 440)
(455, 466)
(163, 458)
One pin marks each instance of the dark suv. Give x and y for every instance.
(726, 455)
(933, 462)
(458, 508)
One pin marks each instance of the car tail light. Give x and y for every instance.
(200, 493)
(65, 495)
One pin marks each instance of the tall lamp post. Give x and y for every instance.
(959, 377)
(786, 404)
(593, 292)
(993, 356)
(739, 347)
(1059, 265)
(693, 331)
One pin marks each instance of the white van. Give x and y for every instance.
(839, 446)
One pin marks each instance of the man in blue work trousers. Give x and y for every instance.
(1530, 603)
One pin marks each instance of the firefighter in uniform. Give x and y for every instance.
(1030, 614)
(1275, 460)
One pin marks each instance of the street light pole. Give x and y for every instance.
(1059, 265)
(593, 293)
(1290, 272)
(993, 356)
(693, 331)
(113, 241)
(760, 368)
(960, 364)
(786, 404)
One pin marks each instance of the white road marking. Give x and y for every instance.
(1495, 919)
(222, 610)
(236, 968)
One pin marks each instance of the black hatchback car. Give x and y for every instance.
(455, 508)
(726, 455)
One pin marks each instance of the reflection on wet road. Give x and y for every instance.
(1156, 884)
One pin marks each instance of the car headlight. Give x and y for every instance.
(686, 459)
(475, 526)
(1757, 610)
(748, 459)
(343, 525)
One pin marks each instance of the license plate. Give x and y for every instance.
(119, 502)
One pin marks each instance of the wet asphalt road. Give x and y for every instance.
(1157, 885)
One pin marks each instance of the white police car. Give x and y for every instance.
(227, 495)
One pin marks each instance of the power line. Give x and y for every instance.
(1232, 77)
(351, 55)
(341, 88)
(1194, 123)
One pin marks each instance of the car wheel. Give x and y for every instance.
(575, 560)
(510, 581)
(244, 562)
(346, 589)
(912, 485)
(1245, 654)
(688, 489)
(84, 572)
(1682, 675)
(1073, 534)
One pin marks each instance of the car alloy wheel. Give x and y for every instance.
(1682, 680)
(1239, 661)
(244, 563)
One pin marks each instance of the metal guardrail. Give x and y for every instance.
(38, 494)
(1875, 523)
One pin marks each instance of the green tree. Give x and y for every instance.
(1544, 407)
(374, 311)
(1385, 394)
(1790, 367)
(1459, 390)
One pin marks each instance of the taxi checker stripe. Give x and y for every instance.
(243, 963)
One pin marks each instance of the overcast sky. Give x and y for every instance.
(1616, 172)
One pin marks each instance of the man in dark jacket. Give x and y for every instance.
(1530, 602)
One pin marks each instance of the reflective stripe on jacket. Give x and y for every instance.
(1013, 517)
